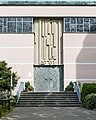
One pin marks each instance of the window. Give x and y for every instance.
(16, 25)
(79, 25)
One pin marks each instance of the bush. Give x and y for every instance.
(71, 83)
(27, 84)
(1, 111)
(90, 101)
(69, 87)
(12, 101)
(30, 88)
(87, 88)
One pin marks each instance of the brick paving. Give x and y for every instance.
(51, 113)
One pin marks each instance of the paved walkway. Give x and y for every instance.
(51, 113)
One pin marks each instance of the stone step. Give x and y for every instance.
(63, 102)
(48, 96)
(48, 93)
(48, 99)
(48, 105)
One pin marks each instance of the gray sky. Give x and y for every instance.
(47, 0)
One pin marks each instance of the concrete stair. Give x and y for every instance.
(48, 99)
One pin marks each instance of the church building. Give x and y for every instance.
(49, 43)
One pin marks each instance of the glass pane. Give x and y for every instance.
(86, 19)
(11, 19)
(67, 27)
(19, 27)
(92, 20)
(86, 27)
(27, 27)
(79, 20)
(73, 20)
(79, 28)
(5, 21)
(19, 19)
(67, 19)
(0, 29)
(27, 19)
(73, 28)
(4, 29)
(93, 28)
(11, 27)
(1, 21)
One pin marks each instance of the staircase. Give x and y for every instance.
(48, 99)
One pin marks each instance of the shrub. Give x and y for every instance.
(87, 88)
(27, 84)
(30, 88)
(71, 83)
(1, 111)
(13, 101)
(5, 75)
(90, 101)
(69, 88)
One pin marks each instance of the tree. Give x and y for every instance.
(5, 76)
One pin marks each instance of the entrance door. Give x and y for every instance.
(49, 79)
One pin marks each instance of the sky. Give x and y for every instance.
(47, 0)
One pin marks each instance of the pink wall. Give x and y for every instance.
(51, 11)
(79, 57)
(18, 51)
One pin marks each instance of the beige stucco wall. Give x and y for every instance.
(79, 57)
(51, 11)
(18, 51)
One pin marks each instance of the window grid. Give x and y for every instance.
(76, 24)
(9, 25)
(22, 24)
(16, 25)
(81, 25)
(89, 25)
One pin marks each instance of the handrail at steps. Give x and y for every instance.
(21, 88)
(77, 90)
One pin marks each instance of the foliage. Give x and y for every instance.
(87, 88)
(71, 83)
(12, 101)
(5, 76)
(5, 94)
(69, 87)
(30, 88)
(90, 101)
(1, 111)
(27, 84)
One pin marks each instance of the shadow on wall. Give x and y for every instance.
(87, 57)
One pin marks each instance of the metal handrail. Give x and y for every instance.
(21, 88)
(77, 90)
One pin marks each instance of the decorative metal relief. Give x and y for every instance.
(48, 41)
(49, 79)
